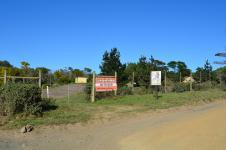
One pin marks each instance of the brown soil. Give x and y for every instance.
(199, 128)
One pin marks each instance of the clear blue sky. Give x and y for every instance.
(62, 33)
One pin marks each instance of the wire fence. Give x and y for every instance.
(62, 91)
(141, 84)
(132, 84)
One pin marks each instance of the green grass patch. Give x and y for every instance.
(166, 100)
(79, 110)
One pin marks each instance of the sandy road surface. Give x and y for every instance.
(197, 128)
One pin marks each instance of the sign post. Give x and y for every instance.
(156, 81)
(93, 88)
(115, 83)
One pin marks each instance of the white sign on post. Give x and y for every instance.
(156, 78)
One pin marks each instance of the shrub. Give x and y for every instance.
(20, 98)
(140, 90)
(204, 86)
(125, 90)
(101, 95)
(181, 87)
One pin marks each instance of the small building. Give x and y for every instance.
(188, 80)
(81, 80)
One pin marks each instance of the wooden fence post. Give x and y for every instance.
(133, 81)
(93, 88)
(180, 78)
(68, 93)
(200, 76)
(5, 77)
(191, 81)
(116, 83)
(40, 79)
(165, 82)
(220, 78)
(47, 91)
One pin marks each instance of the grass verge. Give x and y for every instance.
(79, 110)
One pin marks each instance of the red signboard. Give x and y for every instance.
(106, 83)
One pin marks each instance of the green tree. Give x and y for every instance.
(157, 65)
(182, 68)
(46, 75)
(111, 63)
(87, 71)
(25, 65)
(25, 68)
(172, 65)
(143, 72)
(198, 75)
(207, 70)
(5, 63)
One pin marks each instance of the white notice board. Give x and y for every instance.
(156, 78)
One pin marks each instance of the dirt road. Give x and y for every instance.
(199, 128)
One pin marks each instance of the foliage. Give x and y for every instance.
(142, 90)
(46, 75)
(178, 68)
(142, 70)
(125, 90)
(20, 98)
(6, 64)
(181, 87)
(111, 63)
(202, 86)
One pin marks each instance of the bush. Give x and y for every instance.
(181, 87)
(101, 95)
(204, 86)
(140, 90)
(20, 98)
(125, 90)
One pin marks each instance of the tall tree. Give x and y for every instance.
(157, 64)
(111, 63)
(143, 71)
(87, 71)
(25, 66)
(5, 63)
(208, 70)
(172, 65)
(182, 68)
(46, 74)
